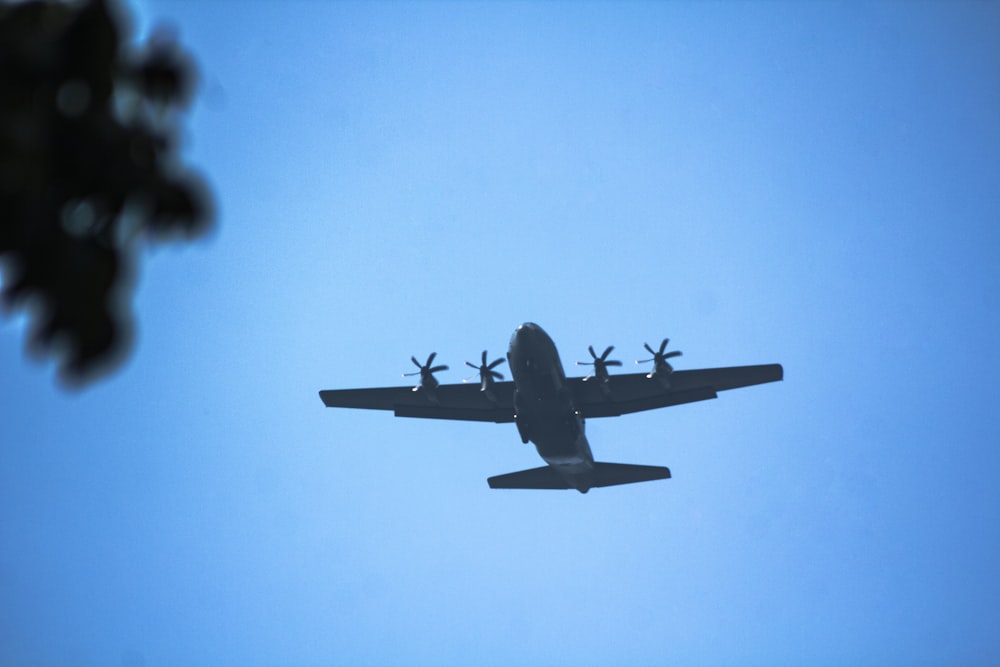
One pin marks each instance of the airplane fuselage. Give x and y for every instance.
(543, 404)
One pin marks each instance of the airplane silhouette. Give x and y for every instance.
(550, 409)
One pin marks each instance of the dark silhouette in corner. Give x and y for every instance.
(89, 171)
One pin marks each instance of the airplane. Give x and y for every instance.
(550, 409)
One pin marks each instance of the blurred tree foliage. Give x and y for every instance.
(89, 170)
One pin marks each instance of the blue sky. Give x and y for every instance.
(813, 184)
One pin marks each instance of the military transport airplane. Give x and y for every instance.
(549, 409)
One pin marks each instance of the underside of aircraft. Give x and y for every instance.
(549, 409)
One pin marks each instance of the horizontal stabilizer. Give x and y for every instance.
(611, 474)
(537, 478)
(602, 474)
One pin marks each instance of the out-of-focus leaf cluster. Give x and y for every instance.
(89, 167)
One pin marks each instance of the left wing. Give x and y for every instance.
(634, 392)
(446, 401)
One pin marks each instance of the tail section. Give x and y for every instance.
(545, 477)
(612, 474)
(602, 474)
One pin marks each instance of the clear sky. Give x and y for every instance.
(813, 184)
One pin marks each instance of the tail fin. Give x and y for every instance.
(602, 474)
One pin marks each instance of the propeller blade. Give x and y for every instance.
(426, 370)
(660, 357)
(486, 372)
(601, 363)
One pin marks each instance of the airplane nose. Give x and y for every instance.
(532, 351)
(529, 339)
(523, 332)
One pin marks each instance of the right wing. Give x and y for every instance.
(634, 392)
(447, 401)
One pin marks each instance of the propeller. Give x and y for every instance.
(426, 372)
(600, 363)
(659, 359)
(486, 372)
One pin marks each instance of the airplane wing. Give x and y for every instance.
(447, 401)
(634, 392)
